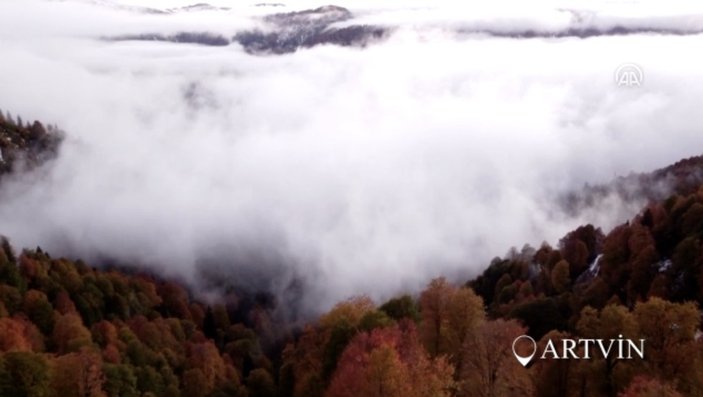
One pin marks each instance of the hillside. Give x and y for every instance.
(25, 146)
(683, 177)
(68, 328)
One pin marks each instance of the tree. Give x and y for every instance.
(261, 384)
(120, 381)
(349, 312)
(63, 303)
(78, 374)
(560, 378)
(194, 383)
(670, 330)
(489, 367)
(205, 357)
(560, 277)
(209, 326)
(465, 316)
(303, 363)
(175, 300)
(580, 247)
(11, 297)
(608, 375)
(401, 307)
(36, 130)
(70, 335)
(390, 362)
(375, 319)
(39, 310)
(540, 316)
(17, 334)
(24, 374)
(448, 315)
(385, 375)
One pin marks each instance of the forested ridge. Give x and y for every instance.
(68, 328)
(25, 145)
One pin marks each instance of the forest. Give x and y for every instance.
(70, 328)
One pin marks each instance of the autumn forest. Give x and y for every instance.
(70, 328)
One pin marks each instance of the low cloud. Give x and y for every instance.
(347, 170)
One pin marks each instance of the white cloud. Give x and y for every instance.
(361, 170)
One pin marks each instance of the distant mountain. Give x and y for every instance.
(308, 28)
(197, 7)
(288, 32)
(201, 38)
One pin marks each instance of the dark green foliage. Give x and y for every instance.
(23, 374)
(261, 384)
(540, 316)
(11, 297)
(339, 338)
(486, 284)
(401, 307)
(120, 381)
(150, 380)
(32, 143)
(39, 310)
(9, 272)
(374, 319)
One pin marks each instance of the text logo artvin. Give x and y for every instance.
(579, 349)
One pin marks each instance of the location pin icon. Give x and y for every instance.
(524, 360)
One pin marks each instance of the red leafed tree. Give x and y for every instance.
(304, 362)
(206, 358)
(63, 303)
(390, 362)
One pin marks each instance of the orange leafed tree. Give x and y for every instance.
(70, 334)
(449, 314)
(489, 366)
(19, 335)
(78, 374)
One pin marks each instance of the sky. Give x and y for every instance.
(348, 170)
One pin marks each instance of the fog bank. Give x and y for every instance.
(352, 170)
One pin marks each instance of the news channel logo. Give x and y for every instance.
(629, 75)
